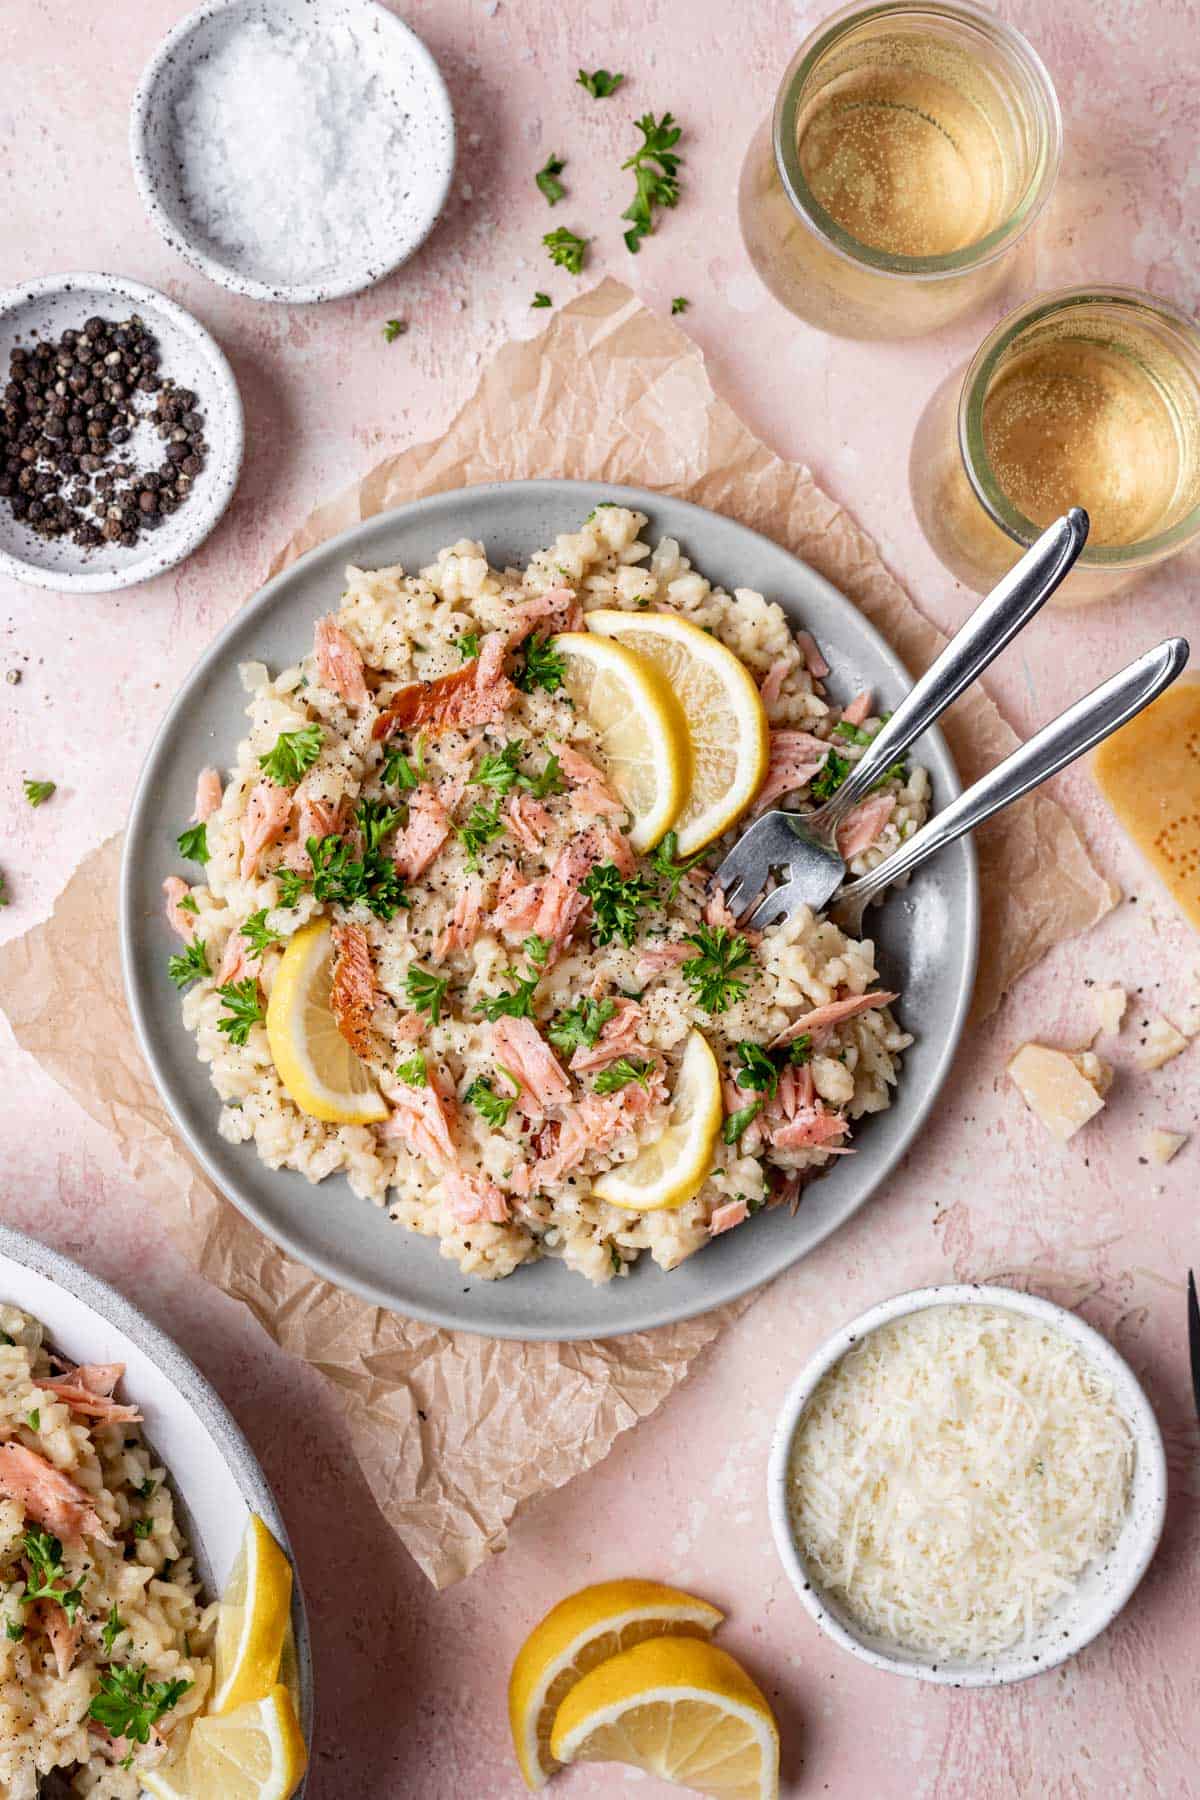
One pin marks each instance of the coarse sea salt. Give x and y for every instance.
(291, 152)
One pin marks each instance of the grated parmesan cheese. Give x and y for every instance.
(954, 1474)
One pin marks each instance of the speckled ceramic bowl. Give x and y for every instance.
(213, 1472)
(47, 307)
(409, 81)
(1095, 1600)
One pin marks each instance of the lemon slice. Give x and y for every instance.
(725, 718)
(679, 1708)
(643, 735)
(255, 1753)
(252, 1622)
(318, 1068)
(672, 1168)
(574, 1636)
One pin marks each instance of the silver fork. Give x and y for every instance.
(1071, 735)
(802, 847)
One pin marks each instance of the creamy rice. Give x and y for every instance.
(407, 629)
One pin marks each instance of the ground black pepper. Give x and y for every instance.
(67, 410)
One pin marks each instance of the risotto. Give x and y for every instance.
(105, 1640)
(518, 982)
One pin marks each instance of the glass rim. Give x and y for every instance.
(975, 386)
(891, 266)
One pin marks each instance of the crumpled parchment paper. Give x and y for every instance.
(453, 1431)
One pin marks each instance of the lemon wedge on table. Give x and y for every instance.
(252, 1622)
(576, 1635)
(727, 725)
(318, 1068)
(255, 1752)
(672, 1168)
(643, 735)
(676, 1707)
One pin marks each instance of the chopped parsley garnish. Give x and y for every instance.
(853, 734)
(340, 878)
(617, 902)
(243, 1007)
(291, 885)
(493, 1108)
(188, 904)
(539, 666)
(655, 171)
(468, 646)
(258, 934)
(143, 1528)
(540, 299)
(757, 1071)
(600, 83)
(13, 1631)
(830, 776)
(147, 1487)
(193, 843)
(800, 1049)
(34, 1419)
(398, 771)
(189, 965)
(567, 250)
(711, 974)
(737, 1122)
(426, 992)
(4, 894)
(37, 791)
(550, 780)
(620, 1073)
(294, 752)
(114, 1625)
(483, 825)
(679, 305)
(412, 1072)
(498, 770)
(614, 1256)
(393, 329)
(547, 179)
(580, 1025)
(858, 734)
(670, 868)
(129, 1705)
(48, 1578)
(375, 821)
(517, 1002)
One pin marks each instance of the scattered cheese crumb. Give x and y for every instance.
(1161, 1042)
(1160, 1146)
(1110, 1008)
(1064, 1091)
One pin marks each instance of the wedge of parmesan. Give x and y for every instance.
(1160, 1146)
(1110, 1004)
(1064, 1090)
(1161, 1042)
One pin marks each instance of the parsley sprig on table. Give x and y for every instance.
(580, 1025)
(243, 1007)
(193, 843)
(48, 1578)
(426, 991)
(38, 791)
(620, 1073)
(539, 665)
(712, 972)
(393, 329)
(600, 83)
(617, 902)
(517, 1002)
(679, 305)
(129, 1705)
(540, 299)
(567, 249)
(294, 752)
(547, 179)
(190, 965)
(655, 171)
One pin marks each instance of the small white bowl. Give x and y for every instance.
(47, 307)
(407, 73)
(1104, 1588)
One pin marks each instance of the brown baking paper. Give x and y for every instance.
(452, 1431)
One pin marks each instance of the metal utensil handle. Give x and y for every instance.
(1079, 729)
(993, 624)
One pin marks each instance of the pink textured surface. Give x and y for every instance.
(410, 1685)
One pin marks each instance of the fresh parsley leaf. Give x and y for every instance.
(580, 1025)
(567, 250)
(711, 974)
(468, 646)
(34, 1419)
(679, 305)
(147, 1487)
(483, 825)
(374, 821)
(37, 791)
(294, 752)
(189, 965)
(517, 1002)
(425, 991)
(244, 1009)
(670, 868)
(655, 172)
(547, 179)
(829, 777)
(600, 83)
(620, 1073)
(291, 885)
(737, 1122)
(614, 1256)
(258, 934)
(800, 1049)
(539, 665)
(757, 1070)
(412, 1072)
(853, 734)
(4, 894)
(499, 770)
(13, 1631)
(550, 780)
(188, 904)
(48, 1578)
(398, 771)
(540, 299)
(493, 1108)
(342, 879)
(143, 1528)
(617, 902)
(129, 1705)
(193, 843)
(114, 1625)
(393, 329)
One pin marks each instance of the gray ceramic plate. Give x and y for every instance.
(926, 935)
(213, 1472)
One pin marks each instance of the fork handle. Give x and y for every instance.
(993, 624)
(1074, 732)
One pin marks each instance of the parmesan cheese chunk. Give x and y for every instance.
(1110, 1005)
(1064, 1091)
(1160, 1146)
(1161, 1042)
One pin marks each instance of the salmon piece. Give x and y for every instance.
(422, 1117)
(179, 919)
(594, 1123)
(411, 1029)
(520, 1046)
(528, 613)
(89, 1389)
(859, 708)
(795, 1094)
(477, 694)
(339, 664)
(718, 914)
(463, 926)
(653, 961)
(64, 1637)
(474, 1197)
(517, 904)
(618, 1037)
(818, 668)
(50, 1498)
(815, 1129)
(793, 758)
(606, 844)
(208, 794)
(832, 1013)
(267, 812)
(353, 995)
(528, 820)
(315, 818)
(773, 680)
(426, 832)
(592, 795)
(521, 1180)
(863, 824)
(237, 961)
(725, 1217)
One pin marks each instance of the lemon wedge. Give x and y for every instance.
(254, 1753)
(726, 722)
(642, 732)
(574, 1636)
(672, 1168)
(679, 1708)
(318, 1068)
(252, 1622)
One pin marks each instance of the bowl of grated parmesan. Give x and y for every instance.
(966, 1485)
